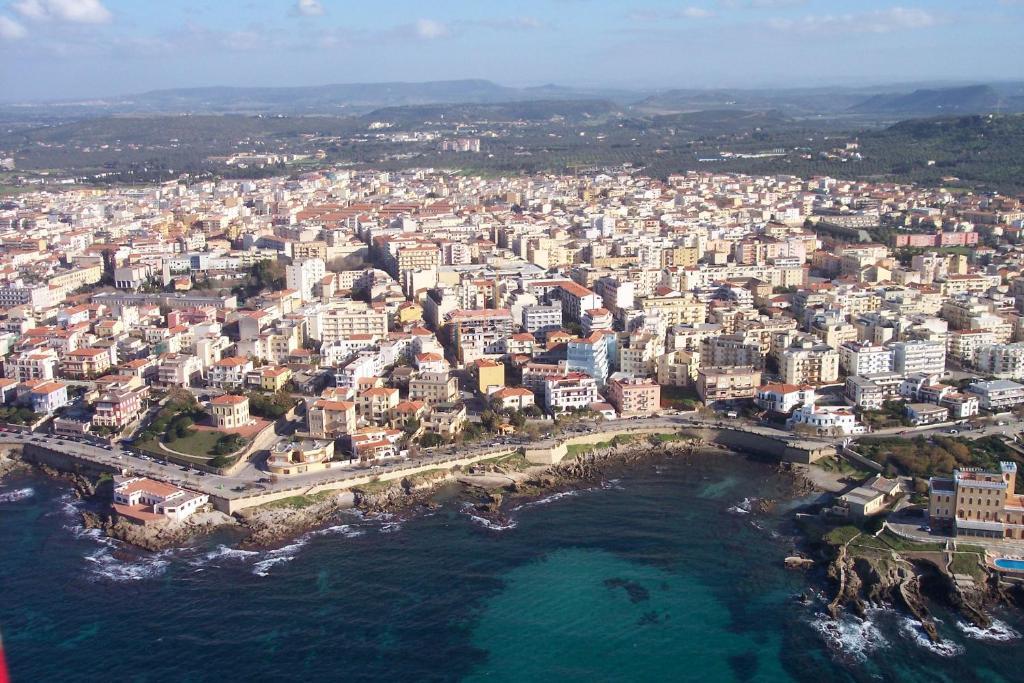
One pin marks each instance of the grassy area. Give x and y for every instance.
(841, 535)
(679, 398)
(299, 502)
(572, 450)
(842, 466)
(967, 563)
(666, 438)
(516, 461)
(376, 485)
(199, 443)
(922, 457)
(887, 541)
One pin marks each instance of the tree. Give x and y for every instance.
(430, 440)
(412, 425)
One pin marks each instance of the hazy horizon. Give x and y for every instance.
(95, 49)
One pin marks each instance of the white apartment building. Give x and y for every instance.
(998, 394)
(909, 357)
(304, 275)
(40, 364)
(1004, 361)
(573, 390)
(857, 358)
(344, 319)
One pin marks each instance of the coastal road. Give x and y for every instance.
(120, 459)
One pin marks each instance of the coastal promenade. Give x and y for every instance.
(250, 486)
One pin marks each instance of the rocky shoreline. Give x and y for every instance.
(871, 575)
(860, 577)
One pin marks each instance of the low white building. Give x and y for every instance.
(826, 419)
(998, 394)
(147, 501)
(782, 398)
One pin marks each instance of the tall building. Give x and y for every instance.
(909, 357)
(304, 275)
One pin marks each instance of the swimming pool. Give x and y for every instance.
(1011, 565)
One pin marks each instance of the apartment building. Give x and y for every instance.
(229, 372)
(479, 333)
(997, 394)
(589, 356)
(808, 362)
(861, 358)
(917, 356)
(716, 385)
(570, 391)
(330, 419)
(340, 320)
(39, 364)
(434, 387)
(633, 396)
(978, 502)
(1003, 361)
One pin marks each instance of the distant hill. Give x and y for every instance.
(537, 110)
(793, 101)
(973, 99)
(341, 99)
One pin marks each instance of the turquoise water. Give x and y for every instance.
(1015, 565)
(661, 575)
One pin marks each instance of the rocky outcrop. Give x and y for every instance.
(157, 536)
(267, 526)
(878, 578)
(843, 572)
(10, 462)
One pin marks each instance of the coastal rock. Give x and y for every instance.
(267, 526)
(158, 536)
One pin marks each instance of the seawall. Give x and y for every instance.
(786, 449)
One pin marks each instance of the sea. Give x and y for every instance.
(664, 571)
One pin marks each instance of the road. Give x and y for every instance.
(119, 458)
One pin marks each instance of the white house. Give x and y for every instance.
(826, 419)
(146, 501)
(782, 398)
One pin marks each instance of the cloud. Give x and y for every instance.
(10, 29)
(511, 24)
(71, 11)
(691, 12)
(309, 8)
(760, 4)
(430, 29)
(878, 21)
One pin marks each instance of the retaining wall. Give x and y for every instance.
(243, 501)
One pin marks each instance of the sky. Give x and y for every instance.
(85, 49)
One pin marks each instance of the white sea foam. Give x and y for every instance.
(742, 507)
(547, 499)
(278, 555)
(390, 527)
(944, 648)
(103, 565)
(491, 524)
(16, 495)
(223, 552)
(262, 568)
(999, 631)
(346, 530)
(850, 636)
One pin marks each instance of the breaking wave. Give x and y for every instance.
(103, 565)
(849, 636)
(997, 632)
(944, 648)
(16, 495)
